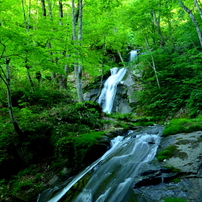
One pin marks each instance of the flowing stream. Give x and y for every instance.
(113, 175)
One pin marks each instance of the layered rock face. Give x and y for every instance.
(160, 183)
(125, 98)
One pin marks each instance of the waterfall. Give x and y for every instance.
(106, 98)
(116, 170)
(133, 55)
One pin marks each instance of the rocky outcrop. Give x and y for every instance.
(125, 98)
(177, 177)
(188, 157)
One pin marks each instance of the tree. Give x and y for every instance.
(194, 20)
(77, 64)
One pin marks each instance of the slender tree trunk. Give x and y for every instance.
(156, 21)
(43, 7)
(198, 8)
(63, 79)
(61, 15)
(50, 10)
(199, 33)
(77, 65)
(6, 77)
(27, 27)
(153, 66)
(73, 22)
(29, 77)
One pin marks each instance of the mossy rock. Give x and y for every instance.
(167, 153)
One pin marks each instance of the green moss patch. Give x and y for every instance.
(174, 200)
(183, 126)
(167, 153)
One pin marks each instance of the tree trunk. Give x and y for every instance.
(30, 78)
(43, 7)
(27, 27)
(198, 8)
(156, 21)
(61, 15)
(199, 33)
(50, 10)
(77, 65)
(9, 98)
(63, 79)
(153, 66)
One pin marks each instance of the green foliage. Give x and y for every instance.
(194, 103)
(86, 113)
(166, 153)
(174, 200)
(182, 125)
(76, 148)
(178, 89)
(22, 185)
(44, 97)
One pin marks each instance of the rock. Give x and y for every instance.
(124, 99)
(156, 185)
(189, 151)
(154, 177)
(53, 180)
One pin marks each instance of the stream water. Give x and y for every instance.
(113, 175)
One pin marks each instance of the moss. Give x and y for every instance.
(167, 153)
(174, 200)
(184, 142)
(173, 169)
(176, 180)
(181, 155)
(182, 125)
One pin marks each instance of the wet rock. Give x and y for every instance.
(53, 180)
(189, 151)
(154, 177)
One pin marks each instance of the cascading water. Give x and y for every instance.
(116, 170)
(46, 193)
(113, 179)
(133, 55)
(106, 98)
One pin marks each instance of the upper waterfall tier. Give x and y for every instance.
(108, 93)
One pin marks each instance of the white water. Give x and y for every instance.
(114, 173)
(112, 180)
(133, 55)
(106, 98)
(114, 143)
